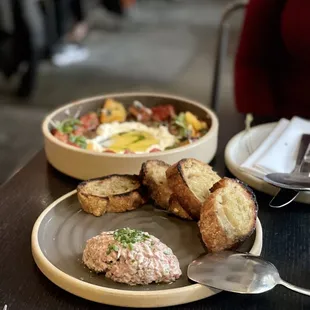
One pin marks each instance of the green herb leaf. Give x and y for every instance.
(139, 138)
(115, 247)
(78, 140)
(68, 125)
(112, 247)
(180, 120)
(127, 237)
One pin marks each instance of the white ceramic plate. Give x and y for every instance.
(240, 147)
(60, 233)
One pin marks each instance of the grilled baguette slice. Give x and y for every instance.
(228, 216)
(191, 180)
(113, 193)
(153, 176)
(175, 208)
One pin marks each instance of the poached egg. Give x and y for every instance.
(134, 137)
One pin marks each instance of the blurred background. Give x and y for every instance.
(146, 45)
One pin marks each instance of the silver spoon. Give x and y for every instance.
(237, 272)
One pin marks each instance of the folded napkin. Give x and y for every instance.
(278, 152)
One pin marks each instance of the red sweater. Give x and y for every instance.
(272, 69)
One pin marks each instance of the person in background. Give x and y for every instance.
(22, 42)
(272, 68)
(70, 49)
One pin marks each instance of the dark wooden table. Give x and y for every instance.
(34, 187)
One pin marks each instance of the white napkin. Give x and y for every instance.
(279, 150)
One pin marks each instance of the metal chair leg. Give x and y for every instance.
(221, 48)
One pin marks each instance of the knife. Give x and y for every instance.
(285, 196)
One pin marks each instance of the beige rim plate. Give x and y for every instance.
(239, 149)
(59, 236)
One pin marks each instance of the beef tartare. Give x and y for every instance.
(131, 256)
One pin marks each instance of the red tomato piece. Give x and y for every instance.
(155, 150)
(90, 121)
(60, 136)
(79, 131)
(163, 112)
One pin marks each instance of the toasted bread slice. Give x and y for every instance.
(191, 180)
(113, 193)
(228, 216)
(175, 208)
(153, 176)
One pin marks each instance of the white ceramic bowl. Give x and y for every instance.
(83, 164)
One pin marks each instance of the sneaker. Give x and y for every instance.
(69, 54)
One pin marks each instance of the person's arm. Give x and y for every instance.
(259, 54)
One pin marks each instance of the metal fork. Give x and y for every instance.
(285, 196)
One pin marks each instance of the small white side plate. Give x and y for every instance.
(240, 147)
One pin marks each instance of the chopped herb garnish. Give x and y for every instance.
(78, 140)
(180, 122)
(167, 252)
(112, 247)
(139, 138)
(115, 247)
(127, 237)
(68, 125)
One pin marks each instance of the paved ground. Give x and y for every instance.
(164, 46)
